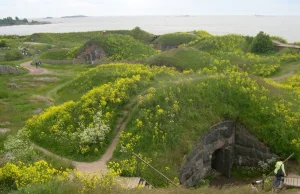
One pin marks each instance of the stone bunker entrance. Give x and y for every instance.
(224, 145)
(91, 52)
(221, 161)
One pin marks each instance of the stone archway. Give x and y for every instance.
(92, 52)
(224, 145)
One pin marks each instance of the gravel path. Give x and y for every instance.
(33, 70)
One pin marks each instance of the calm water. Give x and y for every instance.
(285, 26)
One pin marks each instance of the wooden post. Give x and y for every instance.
(137, 172)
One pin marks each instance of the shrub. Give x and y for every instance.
(3, 43)
(13, 55)
(262, 43)
(141, 35)
(19, 175)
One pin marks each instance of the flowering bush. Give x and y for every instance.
(95, 132)
(80, 129)
(21, 175)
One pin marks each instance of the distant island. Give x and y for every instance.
(9, 21)
(75, 16)
(48, 18)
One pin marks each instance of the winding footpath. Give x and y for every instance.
(33, 70)
(98, 166)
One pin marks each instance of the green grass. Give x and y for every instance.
(120, 47)
(57, 54)
(175, 38)
(75, 117)
(73, 39)
(188, 109)
(183, 59)
(19, 104)
(226, 43)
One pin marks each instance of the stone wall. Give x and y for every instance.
(6, 69)
(224, 145)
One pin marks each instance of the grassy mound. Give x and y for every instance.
(57, 54)
(82, 130)
(72, 39)
(226, 43)
(183, 59)
(175, 38)
(120, 47)
(169, 121)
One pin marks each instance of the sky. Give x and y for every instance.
(58, 8)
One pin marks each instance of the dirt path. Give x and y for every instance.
(94, 167)
(99, 166)
(33, 70)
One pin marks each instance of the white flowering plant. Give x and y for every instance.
(95, 132)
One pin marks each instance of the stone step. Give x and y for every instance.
(292, 181)
(133, 182)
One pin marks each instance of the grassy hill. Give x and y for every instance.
(120, 47)
(78, 38)
(175, 38)
(208, 79)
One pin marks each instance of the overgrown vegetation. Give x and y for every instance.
(57, 54)
(13, 55)
(3, 43)
(175, 38)
(73, 39)
(218, 78)
(82, 130)
(262, 43)
(120, 47)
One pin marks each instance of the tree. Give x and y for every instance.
(262, 43)
(17, 19)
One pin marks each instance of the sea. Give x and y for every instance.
(284, 26)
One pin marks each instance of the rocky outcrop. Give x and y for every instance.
(224, 145)
(6, 69)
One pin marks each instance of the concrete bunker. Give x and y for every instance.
(224, 145)
(91, 53)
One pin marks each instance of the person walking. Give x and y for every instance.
(279, 173)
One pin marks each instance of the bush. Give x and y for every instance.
(297, 43)
(262, 43)
(13, 55)
(3, 43)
